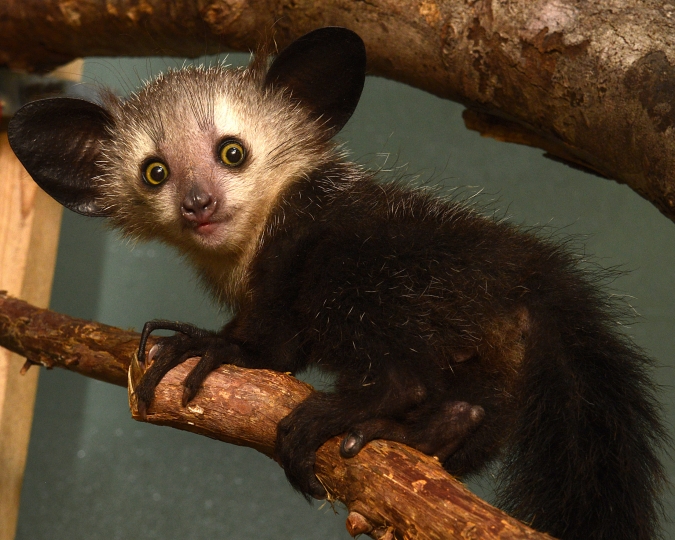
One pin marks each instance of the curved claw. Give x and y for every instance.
(168, 352)
(316, 489)
(297, 456)
(303, 480)
(163, 324)
(207, 363)
(142, 410)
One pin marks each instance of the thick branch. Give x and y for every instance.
(590, 82)
(388, 488)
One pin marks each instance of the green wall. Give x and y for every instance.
(94, 473)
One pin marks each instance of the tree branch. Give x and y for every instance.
(392, 491)
(591, 82)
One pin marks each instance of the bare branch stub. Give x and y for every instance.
(54, 340)
(357, 524)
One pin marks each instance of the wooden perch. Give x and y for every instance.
(589, 82)
(391, 491)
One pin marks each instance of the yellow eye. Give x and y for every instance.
(231, 153)
(155, 173)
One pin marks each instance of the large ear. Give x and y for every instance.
(325, 71)
(58, 141)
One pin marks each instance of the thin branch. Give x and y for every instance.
(391, 491)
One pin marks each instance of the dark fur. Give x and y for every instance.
(457, 334)
(420, 306)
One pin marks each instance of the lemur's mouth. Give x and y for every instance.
(210, 226)
(206, 227)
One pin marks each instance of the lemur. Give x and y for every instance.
(460, 335)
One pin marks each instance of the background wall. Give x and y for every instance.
(94, 473)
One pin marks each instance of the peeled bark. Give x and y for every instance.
(392, 491)
(592, 83)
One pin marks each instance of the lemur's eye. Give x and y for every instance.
(155, 173)
(231, 153)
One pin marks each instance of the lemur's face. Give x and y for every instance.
(198, 157)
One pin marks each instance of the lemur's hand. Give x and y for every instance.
(188, 342)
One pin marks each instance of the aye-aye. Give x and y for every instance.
(459, 335)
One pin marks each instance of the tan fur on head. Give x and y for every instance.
(180, 118)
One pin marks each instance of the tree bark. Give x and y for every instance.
(592, 83)
(391, 491)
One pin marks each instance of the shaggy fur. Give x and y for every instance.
(456, 334)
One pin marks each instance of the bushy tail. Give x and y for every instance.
(584, 462)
